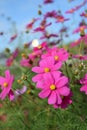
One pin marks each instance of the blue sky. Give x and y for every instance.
(22, 11)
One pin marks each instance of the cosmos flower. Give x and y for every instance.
(83, 81)
(57, 54)
(42, 28)
(83, 14)
(77, 42)
(54, 88)
(13, 38)
(79, 29)
(42, 46)
(51, 14)
(26, 62)
(61, 19)
(30, 25)
(48, 1)
(47, 65)
(47, 35)
(66, 100)
(81, 57)
(6, 85)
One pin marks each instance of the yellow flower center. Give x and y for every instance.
(85, 15)
(56, 57)
(39, 47)
(81, 28)
(46, 69)
(52, 87)
(5, 84)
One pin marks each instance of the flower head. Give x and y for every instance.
(6, 84)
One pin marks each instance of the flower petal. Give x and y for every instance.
(64, 91)
(11, 95)
(38, 69)
(44, 93)
(52, 98)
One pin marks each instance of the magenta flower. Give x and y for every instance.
(47, 35)
(13, 38)
(71, 11)
(26, 62)
(83, 14)
(47, 65)
(48, 1)
(35, 54)
(81, 57)
(77, 42)
(6, 84)
(54, 88)
(42, 46)
(9, 61)
(79, 29)
(30, 25)
(57, 54)
(51, 14)
(83, 81)
(42, 28)
(61, 19)
(65, 102)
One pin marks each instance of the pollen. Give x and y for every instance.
(52, 87)
(5, 84)
(56, 57)
(46, 69)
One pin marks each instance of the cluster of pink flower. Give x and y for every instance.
(53, 84)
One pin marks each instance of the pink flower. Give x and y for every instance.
(51, 14)
(47, 35)
(42, 46)
(30, 25)
(83, 14)
(54, 88)
(57, 54)
(79, 29)
(81, 57)
(26, 62)
(48, 1)
(47, 65)
(9, 61)
(61, 19)
(6, 84)
(42, 28)
(81, 39)
(65, 102)
(13, 38)
(35, 54)
(70, 11)
(83, 81)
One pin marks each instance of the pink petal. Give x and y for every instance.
(57, 66)
(38, 69)
(37, 77)
(48, 79)
(11, 95)
(62, 81)
(48, 62)
(2, 80)
(40, 85)
(52, 98)
(44, 93)
(64, 91)
(7, 74)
